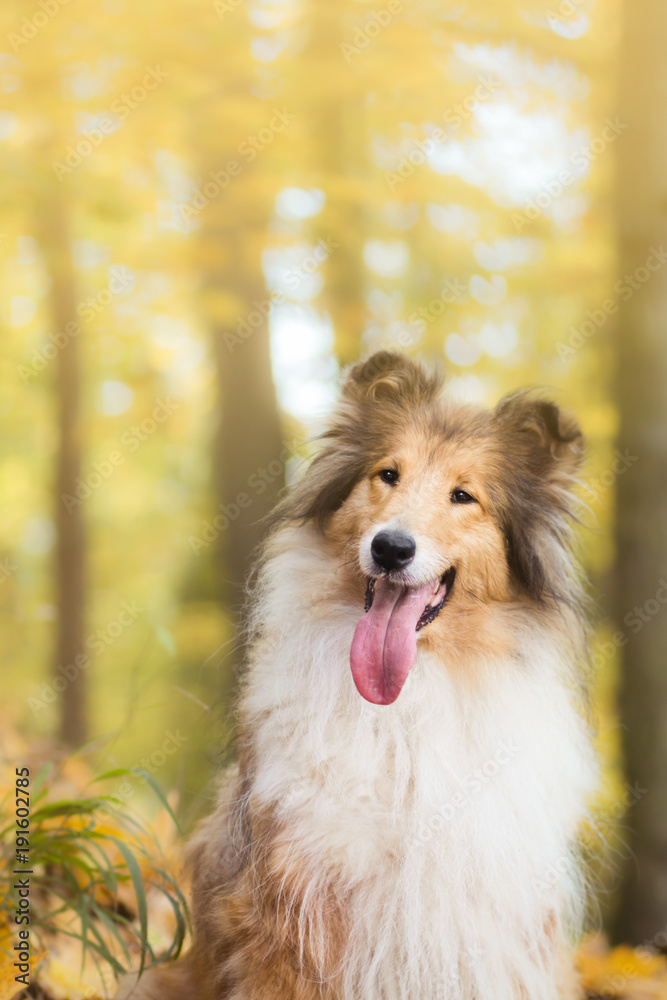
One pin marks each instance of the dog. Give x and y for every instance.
(415, 754)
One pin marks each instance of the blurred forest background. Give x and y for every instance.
(208, 207)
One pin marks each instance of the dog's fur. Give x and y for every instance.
(423, 850)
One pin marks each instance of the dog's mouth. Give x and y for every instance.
(436, 602)
(384, 647)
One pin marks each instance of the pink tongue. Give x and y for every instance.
(385, 641)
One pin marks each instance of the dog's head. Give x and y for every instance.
(444, 516)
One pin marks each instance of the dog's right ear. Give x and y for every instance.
(392, 377)
(375, 394)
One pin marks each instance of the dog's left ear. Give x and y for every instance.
(542, 448)
(544, 436)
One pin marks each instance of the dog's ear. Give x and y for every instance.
(375, 396)
(542, 448)
(392, 377)
(543, 438)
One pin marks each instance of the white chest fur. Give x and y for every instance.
(437, 819)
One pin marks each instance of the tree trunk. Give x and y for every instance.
(337, 124)
(249, 456)
(70, 542)
(641, 591)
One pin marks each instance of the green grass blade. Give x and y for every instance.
(158, 791)
(140, 893)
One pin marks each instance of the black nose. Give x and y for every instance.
(393, 550)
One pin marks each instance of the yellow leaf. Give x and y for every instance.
(615, 972)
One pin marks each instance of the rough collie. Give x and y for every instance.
(414, 751)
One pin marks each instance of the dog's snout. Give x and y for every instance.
(393, 550)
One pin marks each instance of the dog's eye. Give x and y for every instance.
(389, 476)
(460, 496)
